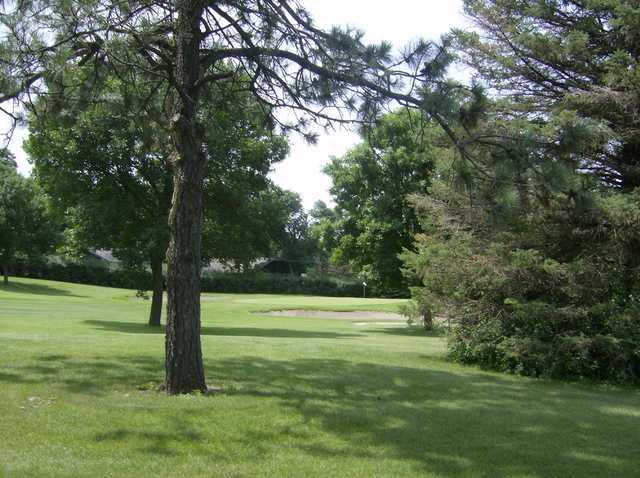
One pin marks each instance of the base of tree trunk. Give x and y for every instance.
(155, 313)
(427, 321)
(209, 389)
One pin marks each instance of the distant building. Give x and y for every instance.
(103, 255)
(280, 265)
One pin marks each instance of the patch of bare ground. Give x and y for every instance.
(358, 315)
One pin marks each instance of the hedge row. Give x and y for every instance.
(598, 343)
(265, 283)
(262, 283)
(84, 274)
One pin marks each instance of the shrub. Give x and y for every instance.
(125, 278)
(265, 283)
(559, 301)
(240, 283)
(544, 341)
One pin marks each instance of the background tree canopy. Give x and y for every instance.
(374, 220)
(108, 168)
(26, 225)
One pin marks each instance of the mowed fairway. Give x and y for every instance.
(303, 397)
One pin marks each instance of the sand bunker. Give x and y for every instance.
(330, 314)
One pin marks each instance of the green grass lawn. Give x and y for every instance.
(303, 397)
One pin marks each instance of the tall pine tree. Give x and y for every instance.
(269, 47)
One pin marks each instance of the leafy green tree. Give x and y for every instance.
(324, 231)
(371, 187)
(107, 177)
(108, 169)
(295, 242)
(263, 225)
(26, 227)
(7, 159)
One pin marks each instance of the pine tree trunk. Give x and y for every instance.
(158, 289)
(184, 367)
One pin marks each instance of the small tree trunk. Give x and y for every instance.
(427, 320)
(5, 273)
(184, 367)
(158, 290)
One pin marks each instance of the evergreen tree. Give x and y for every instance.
(271, 48)
(532, 245)
(555, 58)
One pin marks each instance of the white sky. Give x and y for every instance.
(398, 22)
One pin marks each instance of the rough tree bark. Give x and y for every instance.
(158, 289)
(184, 367)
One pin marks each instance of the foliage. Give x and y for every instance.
(107, 162)
(264, 283)
(531, 240)
(26, 225)
(269, 222)
(373, 219)
(107, 166)
(230, 282)
(526, 304)
(7, 159)
(323, 232)
(85, 273)
(552, 58)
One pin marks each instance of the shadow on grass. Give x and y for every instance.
(451, 424)
(35, 289)
(92, 376)
(411, 331)
(139, 328)
(164, 443)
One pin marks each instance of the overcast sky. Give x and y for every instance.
(398, 22)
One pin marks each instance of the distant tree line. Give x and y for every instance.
(27, 228)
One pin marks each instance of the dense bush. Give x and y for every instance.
(543, 340)
(211, 282)
(524, 303)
